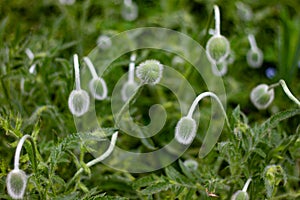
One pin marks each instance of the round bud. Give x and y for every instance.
(129, 11)
(220, 68)
(240, 195)
(255, 58)
(191, 164)
(128, 89)
(185, 130)
(217, 48)
(104, 42)
(79, 102)
(261, 96)
(16, 183)
(98, 88)
(149, 72)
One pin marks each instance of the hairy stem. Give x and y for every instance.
(200, 97)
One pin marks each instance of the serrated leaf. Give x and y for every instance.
(156, 188)
(185, 170)
(145, 181)
(260, 152)
(173, 174)
(190, 194)
(278, 117)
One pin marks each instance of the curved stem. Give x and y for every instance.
(91, 67)
(19, 148)
(288, 92)
(217, 20)
(77, 75)
(200, 97)
(246, 185)
(252, 42)
(100, 158)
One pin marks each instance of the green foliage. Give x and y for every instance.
(38, 106)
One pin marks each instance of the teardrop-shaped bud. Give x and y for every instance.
(150, 71)
(261, 96)
(191, 164)
(79, 102)
(255, 58)
(129, 11)
(185, 130)
(16, 183)
(217, 48)
(98, 88)
(240, 195)
(128, 90)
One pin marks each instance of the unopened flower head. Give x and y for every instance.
(104, 42)
(79, 99)
(78, 102)
(149, 72)
(254, 56)
(191, 164)
(262, 96)
(185, 131)
(98, 88)
(240, 195)
(16, 182)
(217, 48)
(129, 10)
(97, 85)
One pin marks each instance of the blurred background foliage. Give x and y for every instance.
(54, 32)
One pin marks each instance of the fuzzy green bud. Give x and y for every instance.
(191, 164)
(217, 48)
(98, 88)
(78, 102)
(16, 183)
(185, 130)
(150, 72)
(262, 96)
(240, 195)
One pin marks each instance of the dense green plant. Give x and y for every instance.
(261, 145)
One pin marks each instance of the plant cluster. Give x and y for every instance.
(257, 155)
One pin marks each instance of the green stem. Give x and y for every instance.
(286, 90)
(98, 159)
(200, 97)
(18, 152)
